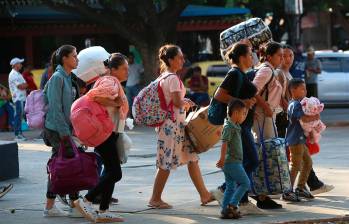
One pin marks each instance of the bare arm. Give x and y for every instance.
(179, 102)
(108, 102)
(307, 118)
(22, 86)
(262, 103)
(220, 162)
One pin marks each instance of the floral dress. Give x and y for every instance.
(173, 148)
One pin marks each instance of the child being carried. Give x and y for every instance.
(313, 129)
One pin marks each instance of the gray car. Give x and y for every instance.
(333, 82)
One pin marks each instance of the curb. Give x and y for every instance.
(339, 220)
(337, 124)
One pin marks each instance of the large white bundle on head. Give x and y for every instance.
(255, 30)
(91, 64)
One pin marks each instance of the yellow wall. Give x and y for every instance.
(37, 76)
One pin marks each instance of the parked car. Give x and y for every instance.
(333, 82)
(215, 72)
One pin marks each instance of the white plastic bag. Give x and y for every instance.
(91, 64)
(123, 145)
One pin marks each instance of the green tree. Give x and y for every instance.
(147, 24)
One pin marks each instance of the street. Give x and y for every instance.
(134, 190)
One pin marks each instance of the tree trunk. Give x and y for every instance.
(149, 53)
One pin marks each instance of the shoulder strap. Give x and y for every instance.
(265, 88)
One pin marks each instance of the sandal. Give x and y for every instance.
(159, 205)
(211, 199)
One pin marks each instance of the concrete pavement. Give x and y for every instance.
(134, 190)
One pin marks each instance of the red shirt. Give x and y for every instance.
(28, 76)
(195, 81)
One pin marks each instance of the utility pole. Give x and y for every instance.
(294, 8)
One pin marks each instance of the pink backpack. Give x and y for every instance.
(91, 122)
(35, 109)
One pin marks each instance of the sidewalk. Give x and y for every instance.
(134, 190)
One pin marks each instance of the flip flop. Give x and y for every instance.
(161, 205)
(211, 199)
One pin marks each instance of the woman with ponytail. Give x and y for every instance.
(237, 85)
(59, 96)
(173, 148)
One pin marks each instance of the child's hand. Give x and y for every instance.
(220, 163)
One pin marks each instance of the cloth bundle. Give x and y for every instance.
(110, 87)
(312, 106)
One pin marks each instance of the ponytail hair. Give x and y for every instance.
(166, 52)
(115, 60)
(57, 55)
(236, 51)
(269, 50)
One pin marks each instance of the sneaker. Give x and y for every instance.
(54, 212)
(324, 188)
(267, 203)
(218, 195)
(85, 208)
(63, 199)
(289, 195)
(304, 193)
(4, 190)
(74, 213)
(107, 217)
(231, 212)
(249, 208)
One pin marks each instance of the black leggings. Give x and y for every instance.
(112, 172)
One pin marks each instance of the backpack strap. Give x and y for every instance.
(265, 88)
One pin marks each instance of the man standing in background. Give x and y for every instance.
(18, 88)
(312, 69)
(134, 78)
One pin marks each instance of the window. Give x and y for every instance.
(217, 70)
(331, 64)
(345, 65)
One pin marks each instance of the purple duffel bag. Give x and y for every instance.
(68, 175)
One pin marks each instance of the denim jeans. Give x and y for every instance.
(250, 156)
(131, 93)
(18, 117)
(7, 107)
(237, 184)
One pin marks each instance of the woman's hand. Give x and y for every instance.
(187, 104)
(220, 163)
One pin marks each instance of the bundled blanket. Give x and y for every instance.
(313, 129)
(110, 87)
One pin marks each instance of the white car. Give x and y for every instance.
(333, 82)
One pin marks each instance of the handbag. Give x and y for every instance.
(217, 112)
(69, 175)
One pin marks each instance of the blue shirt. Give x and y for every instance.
(295, 134)
(298, 68)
